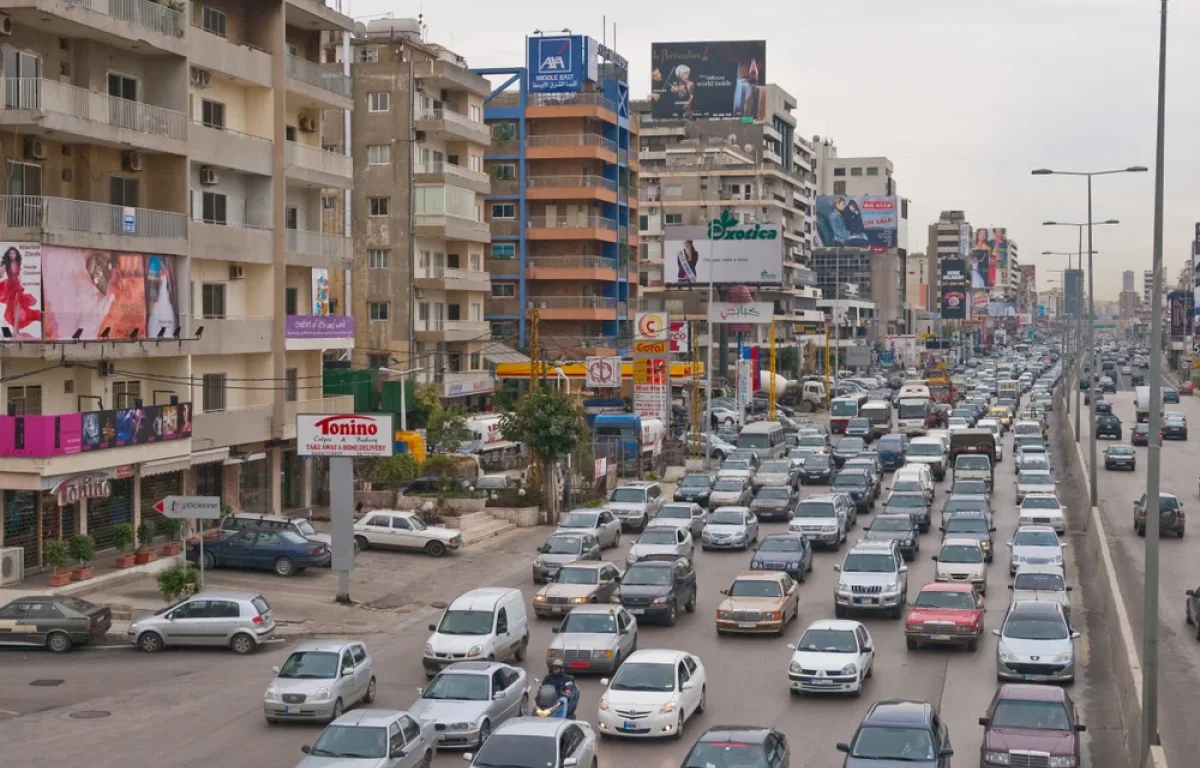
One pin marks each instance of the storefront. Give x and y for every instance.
(254, 484)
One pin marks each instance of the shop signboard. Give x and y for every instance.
(651, 326)
(603, 372)
(84, 485)
(680, 337)
(348, 435)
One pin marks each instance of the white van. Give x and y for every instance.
(484, 624)
(918, 473)
(765, 438)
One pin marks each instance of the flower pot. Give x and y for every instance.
(126, 561)
(145, 556)
(172, 548)
(60, 579)
(81, 573)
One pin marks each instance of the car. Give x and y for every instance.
(831, 656)
(711, 443)
(1138, 379)
(736, 467)
(873, 577)
(560, 549)
(1107, 385)
(636, 503)
(54, 622)
(868, 461)
(1170, 395)
(726, 417)
(899, 732)
(758, 602)
(653, 694)
(1174, 426)
(858, 485)
(912, 504)
(730, 528)
(320, 680)
(694, 488)
(962, 559)
(1108, 425)
(538, 741)
(860, 427)
(899, 528)
(1103, 406)
(370, 738)
(284, 552)
(242, 521)
(688, 516)
(1025, 719)
(483, 623)
(594, 638)
(823, 519)
(1187, 388)
(1035, 545)
(775, 503)
(945, 613)
(1036, 644)
(848, 448)
(1126, 370)
(930, 451)
(734, 745)
(394, 529)
(1141, 434)
(788, 552)
(971, 525)
(584, 581)
(1192, 610)
(891, 450)
(776, 472)
(731, 492)
(1034, 481)
(656, 590)
(817, 468)
(1120, 457)
(600, 523)
(240, 621)
(969, 487)
(468, 700)
(1046, 583)
(660, 542)
(1171, 518)
(1042, 509)
(910, 474)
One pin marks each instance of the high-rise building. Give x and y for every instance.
(1127, 278)
(164, 173)
(1148, 287)
(945, 242)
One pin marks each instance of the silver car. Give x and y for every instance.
(1035, 545)
(636, 503)
(661, 543)
(689, 516)
(319, 681)
(542, 741)
(1034, 481)
(600, 523)
(1042, 583)
(372, 738)
(731, 491)
(779, 472)
(240, 621)
(742, 469)
(594, 638)
(560, 549)
(1036, 644)
(730, 528)
(468, 700)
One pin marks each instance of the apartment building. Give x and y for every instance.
(418, 140)
(162, 211)
(563, 208)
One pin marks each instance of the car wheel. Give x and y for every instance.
(427, 761)
(435, 549)
(973, 644)
(522, 649)
(911, 643)
(58, 642)
(242, 644)
(1187, 615)
(285, 567)
(690, 605)
(1141, 531)
(617, 540)
(485, 731)
(671, 616)
(678, 729)
(361, 544)
(209, 561)
(338, 710)
(150, 642)
(369, 696)
(703, 700)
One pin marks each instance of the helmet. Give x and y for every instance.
(556, 664)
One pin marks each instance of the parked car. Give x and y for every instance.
(392, 529)
(832, 656)
(576, 584)
(788, 552)
(370, 738)
(671, 685)
(1036, 644)
(320, 680)
(900, 731)
(758, 602)
(560, 549)
(600, 523)
(1026, 719)
(469, 700)
(594, 638)
(242, 521)
(945, 614)
(657, 590)
(1171, 518)
(240, 621)
(661, 542)
(54, 622)
(284, 552)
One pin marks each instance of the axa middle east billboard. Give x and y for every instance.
(726, 251)
(954, 289)
(857, 221)
(708, 79)
(561, 63)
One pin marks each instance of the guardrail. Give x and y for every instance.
(42, 95)
(572, 140)
(318, 243)
(58, 213)
(155, 17)
(571, 182)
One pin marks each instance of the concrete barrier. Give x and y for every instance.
(522, 517)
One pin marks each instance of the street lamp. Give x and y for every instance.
(403, 406)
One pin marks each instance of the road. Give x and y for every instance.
(203, 708)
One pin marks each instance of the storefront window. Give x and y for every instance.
(104, 514)
(254, 487)
(291, 481)
(156, 488)
(210, 480)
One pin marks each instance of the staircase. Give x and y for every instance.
(478, 526)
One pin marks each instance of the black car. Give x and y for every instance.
(1120, 457)
(1174, 427)
(788, 552)
(912, 504)
(694, 488)
(817, 468)
(858, 486)
(1103, 406)
(54, 622)
(1170, 395)
(848, 448)
(899, 732)
(775, 503)
(860, 427)
(1137, 379)
(739, 745)
(899, 528)
(1108, 425)
(1141, 434)
(656, 590)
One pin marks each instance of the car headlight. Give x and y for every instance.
(459, 727)
(828, 529)
(539, 598)
(997, 758)
(631, 558)
(615, 599)
(580, 600)
(603, 705)
(475, 651)
(891, 587)
(755, 565)
(1062, 762)
(794, 668)
(908, 542)
(1005, 654)
(668, 707)
(538, 562)
(1065, 656)
(322, 694)
(849, 669)
(724, 614)
(1058, 559)
(270, 694)
(428, 649)
(659, 600)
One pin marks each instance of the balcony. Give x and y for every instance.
(318, 249)
(440, 278)
(505, 227)
(317, 167)
(503, 148)
(574, 307)
(225, 148)
(584, 187)
(233, 426)
(317, 332)
(572, 268)
(232, 335)
(444, 75)
(502, 307)
(449, 227)
(448, 125)
(571, 105)
(318, 86)
(467, 383)
(82, 224)
(570, 146)
(454, 175)
(120, 23)
(450, 330)
(572, 228)
(319, 14)
(245, 63)
(230, 242)
(505, 187)
(77, 115)
(502, 267)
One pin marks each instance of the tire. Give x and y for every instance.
(523, 707)
(522, 649)
(839, 611)
(911, 644)
(671, 617)
(616, 540)
(242, 644)
(1141, 531)
(209, 561)
(485, 731)
(58, 642)
(435, 549)
(285, 567)
(703, 700)
(372, 688)
(361, 544)
(150, 642)
(338, 710)
(973, 644)
(678, 729)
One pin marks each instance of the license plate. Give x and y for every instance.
(747, 624)
(939, 637)
(814, 681)
(637, 611)
(578, 665)
(287, 710)
(628, 726)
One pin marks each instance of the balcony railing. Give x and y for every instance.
(43, 95)
(442, 272)
(154, 17)
(573, 222)
(506, 187)
(433, 219)
(317, 159)
(452, 171)
(504, 100)
(570, 99)
(315, 75)
(505, 227)
(572, 140)
(450, 116)
(503, 266)
(57, 213)
(623, 156)
(318, 244)
(573, 302)
(440, 326)
(571, 182)
(571, 262)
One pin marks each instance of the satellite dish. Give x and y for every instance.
(748, 147)
(360, 29)
(732, 138)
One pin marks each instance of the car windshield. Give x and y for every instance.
(814, 509)
(1035, 539)
(726, 754)
(675, 512)
(960, 553)
(755, 588)
(657, 536)
(1040, 502)
(961, 504)
(760, 440)
(729, 484)
(628, 496)
(1031, 715)
(1035, 628)
(859, 423)
(775, 494)
(1168, 502)
(775, 468)
(458, 687)
(1120, 450)
(781, 544)
(903, 744)
(912, 410)
(577, 576)
(972, 462)
(305, 528)
(944, 600)
(727, 517)
(589, 624)
(848, 444)
(519, 750)
(350, 741)
(563, 545)
(696, 481)
(579, 520)
(891, 442)
(642, 576)
(828, 641)
(924, 449)
(861, 562)
(850, 480)
(816, 461)
(642, 676)
(310, 665)
(916, 500)
(465, 623)
(969, 488)
(1039, 582)
(891, 523)
(736, 465)
(812, 441)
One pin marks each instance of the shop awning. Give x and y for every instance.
(245, 458)
(165, 466)
(209, 456)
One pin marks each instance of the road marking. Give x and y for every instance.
(9, 712)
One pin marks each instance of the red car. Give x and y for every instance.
(1187, 388)
(1024, 719)
(946, 613)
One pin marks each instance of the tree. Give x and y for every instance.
(552, 426)
(445, 428)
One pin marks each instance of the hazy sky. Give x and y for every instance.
(965, 97)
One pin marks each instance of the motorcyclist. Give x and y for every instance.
(563, 683)
(564, 706)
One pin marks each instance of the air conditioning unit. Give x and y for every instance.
(131, 161)
(418, 293)
(307, 124)
(12, 559)
(419, 135)
(106, 368)
(208, 175)
(237, 272)
(35, 149)
(201, 78)
(5, 25)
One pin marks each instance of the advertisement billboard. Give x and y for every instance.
(347, 435)
(93, 290)
(1196, 292)
(21, 290)
(751, 313)
(725, 252)
(320, 291)
(696, 81)
(681, 338)
(1006, 308)
(989, 256)
(964, 240)
(857, 221)
(66, 434)
(1029, 275)
(603, 372)
(954, 289)
(1073, 293)
(1176, 304)
(560, 63)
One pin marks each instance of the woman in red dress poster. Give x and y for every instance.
(20, 306)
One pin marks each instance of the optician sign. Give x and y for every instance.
(561, 63)
(725, 252)
(348, 435)
(752, 313)
(190, 507)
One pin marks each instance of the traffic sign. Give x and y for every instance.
(194, 507)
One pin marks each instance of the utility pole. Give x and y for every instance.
(535, 357)
(771, 387)
(697, 440)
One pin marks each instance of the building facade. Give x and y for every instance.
(164, 202)
(945, 242)
(1127, 278)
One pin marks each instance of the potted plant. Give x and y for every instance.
(177, 581)
(57, 555)
(83, 549)
(145, 534)
(175, 528)
(123, 538)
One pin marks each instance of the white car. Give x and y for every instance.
(652, 695)
(726, 417)
(833, 655)
(1035, 545)
(997, 430)
(393, 529)
(962, 560)
(1034, 481)
(1042, 509)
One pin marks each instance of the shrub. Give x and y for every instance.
(145, 534)
(123, 536)
(177, 581)
(82, 548)
(56, 553)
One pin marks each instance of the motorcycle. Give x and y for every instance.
(547, 699)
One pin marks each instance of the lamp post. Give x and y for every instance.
(1091, 328)
(1069, 346)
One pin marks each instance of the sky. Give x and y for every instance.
(966, 97)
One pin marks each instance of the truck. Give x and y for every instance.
(879, 413)
(808, 395)
(1142, 403)
(487, 437)
(912, 414)
(636, 436)
(980, 443)
(1008, 388)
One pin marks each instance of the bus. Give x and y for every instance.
(842, 409)
(912, 415)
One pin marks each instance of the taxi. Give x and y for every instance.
(1002, 414)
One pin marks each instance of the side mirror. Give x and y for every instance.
(603, 681)
(843, 748)
(468, 756)
(724, 591)
(398, 751)
(306, 749)
(275, 670)
(689, 685)
(1065, 544)
(1190, 592)
(554, 630)
(570, 761)
(1070, 589)
(420, 691)
(837, 568)
(1011, 586)
(433, 627)
(1080, 727)
(947, 752)
(996, 632)
(498, 695)
(904, 569)
(934, 558)
(1009, 543)
(1076, 635)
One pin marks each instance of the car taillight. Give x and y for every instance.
(257, 620)
(316, 550)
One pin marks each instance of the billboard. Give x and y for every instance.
(746, 313)
(696, 81)
(1177, 303)
(954, 289)
(65, 434)
(724, 252)
(320, 291)
(681, 338)
(93, 290)
(964, 240)
(1196, 290)
(350, 435)
(989, 256)
(1007, 308)
(21, 289)
(857, 221)
(603, 372)
(560, 63)
(1073, 294)
(1029, 275)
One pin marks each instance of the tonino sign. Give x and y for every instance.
(86, 485)
(352, 435)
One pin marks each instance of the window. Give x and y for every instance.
(214, 392)
(291, 300)
(379, 154)
(504, 131)
(368, 54)
(328, 202)
(476, 359)
(856, 172)
(123, 191)
(454, 362)
(378, 258)
(674, 218)
(476, 260)
(126, 393)
(212, 300)
(212, 20)
(376, 361)
(504, 172)
(26, 400)
(126, 88)
(423, 311)
(291, 217)
(212, 113)
(291, 384)
(378, 310)
(379, 101)
(289, 132)
(213, 208)
(839, 171)
(672, 190)
(453, 261)
(504, 250)
(453, 312)
(504, 211)
(839, 187)
(476, 313)
(476, 115)
(503, 290)
(872, 170)
(380, 206)
(475, 162)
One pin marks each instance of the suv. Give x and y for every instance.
(298, 525)
(636, 503)
(1108, 425)
(925, 742)
(657, 589)
(873, 578)
(1170, 515)
(823, 519)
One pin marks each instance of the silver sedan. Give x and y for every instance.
(687, 515)
(468, 700)
(601, 523)
(664, 543)
(594, 638)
